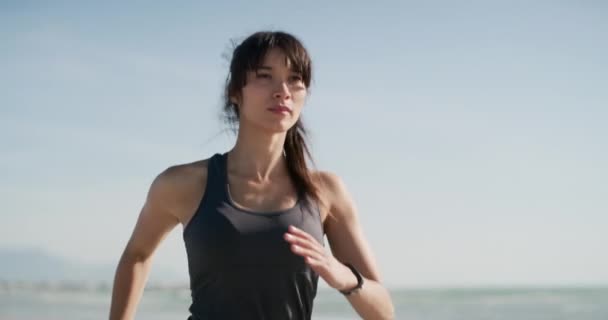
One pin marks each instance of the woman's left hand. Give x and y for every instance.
(336, 274)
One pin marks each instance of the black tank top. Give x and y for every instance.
(240, 265)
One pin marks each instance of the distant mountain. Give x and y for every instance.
(37, 265)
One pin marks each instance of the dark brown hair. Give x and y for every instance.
(248, 56)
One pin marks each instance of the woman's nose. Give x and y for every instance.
(282, 91)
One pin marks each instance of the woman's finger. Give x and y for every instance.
(303, 233)
(303, 242)
(313, 262)
(306, 252)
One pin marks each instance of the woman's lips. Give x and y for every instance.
(280, 109)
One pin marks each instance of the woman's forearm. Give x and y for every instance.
(372, 301)
(129, 282)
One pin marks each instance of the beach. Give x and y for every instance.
(92, 302)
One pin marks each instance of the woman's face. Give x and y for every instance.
(274, 95)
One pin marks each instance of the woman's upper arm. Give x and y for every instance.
(156, 218)
(344, 231)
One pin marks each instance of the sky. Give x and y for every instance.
(472, 134)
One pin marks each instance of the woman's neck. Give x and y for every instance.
(258, 156)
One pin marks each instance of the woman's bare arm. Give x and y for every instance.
(348, 244)
(156, 219)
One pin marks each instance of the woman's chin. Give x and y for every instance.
(279, 127)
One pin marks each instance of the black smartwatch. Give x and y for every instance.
(359, 281)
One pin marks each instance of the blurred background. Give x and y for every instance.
(472, 136)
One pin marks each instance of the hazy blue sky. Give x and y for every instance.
(472, 134)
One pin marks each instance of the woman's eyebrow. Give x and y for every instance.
(268, 68)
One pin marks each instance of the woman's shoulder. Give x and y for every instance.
(179, 180)
(333, 193)
(178, 187)
(182, 174)
(330, 186)
(179, 173)
(327, 182)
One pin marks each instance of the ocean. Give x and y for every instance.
(77, 303)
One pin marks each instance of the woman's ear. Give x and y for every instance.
(234, 100)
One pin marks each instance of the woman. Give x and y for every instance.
(254, 217)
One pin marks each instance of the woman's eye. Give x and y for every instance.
(296, 78)
(263, 76)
